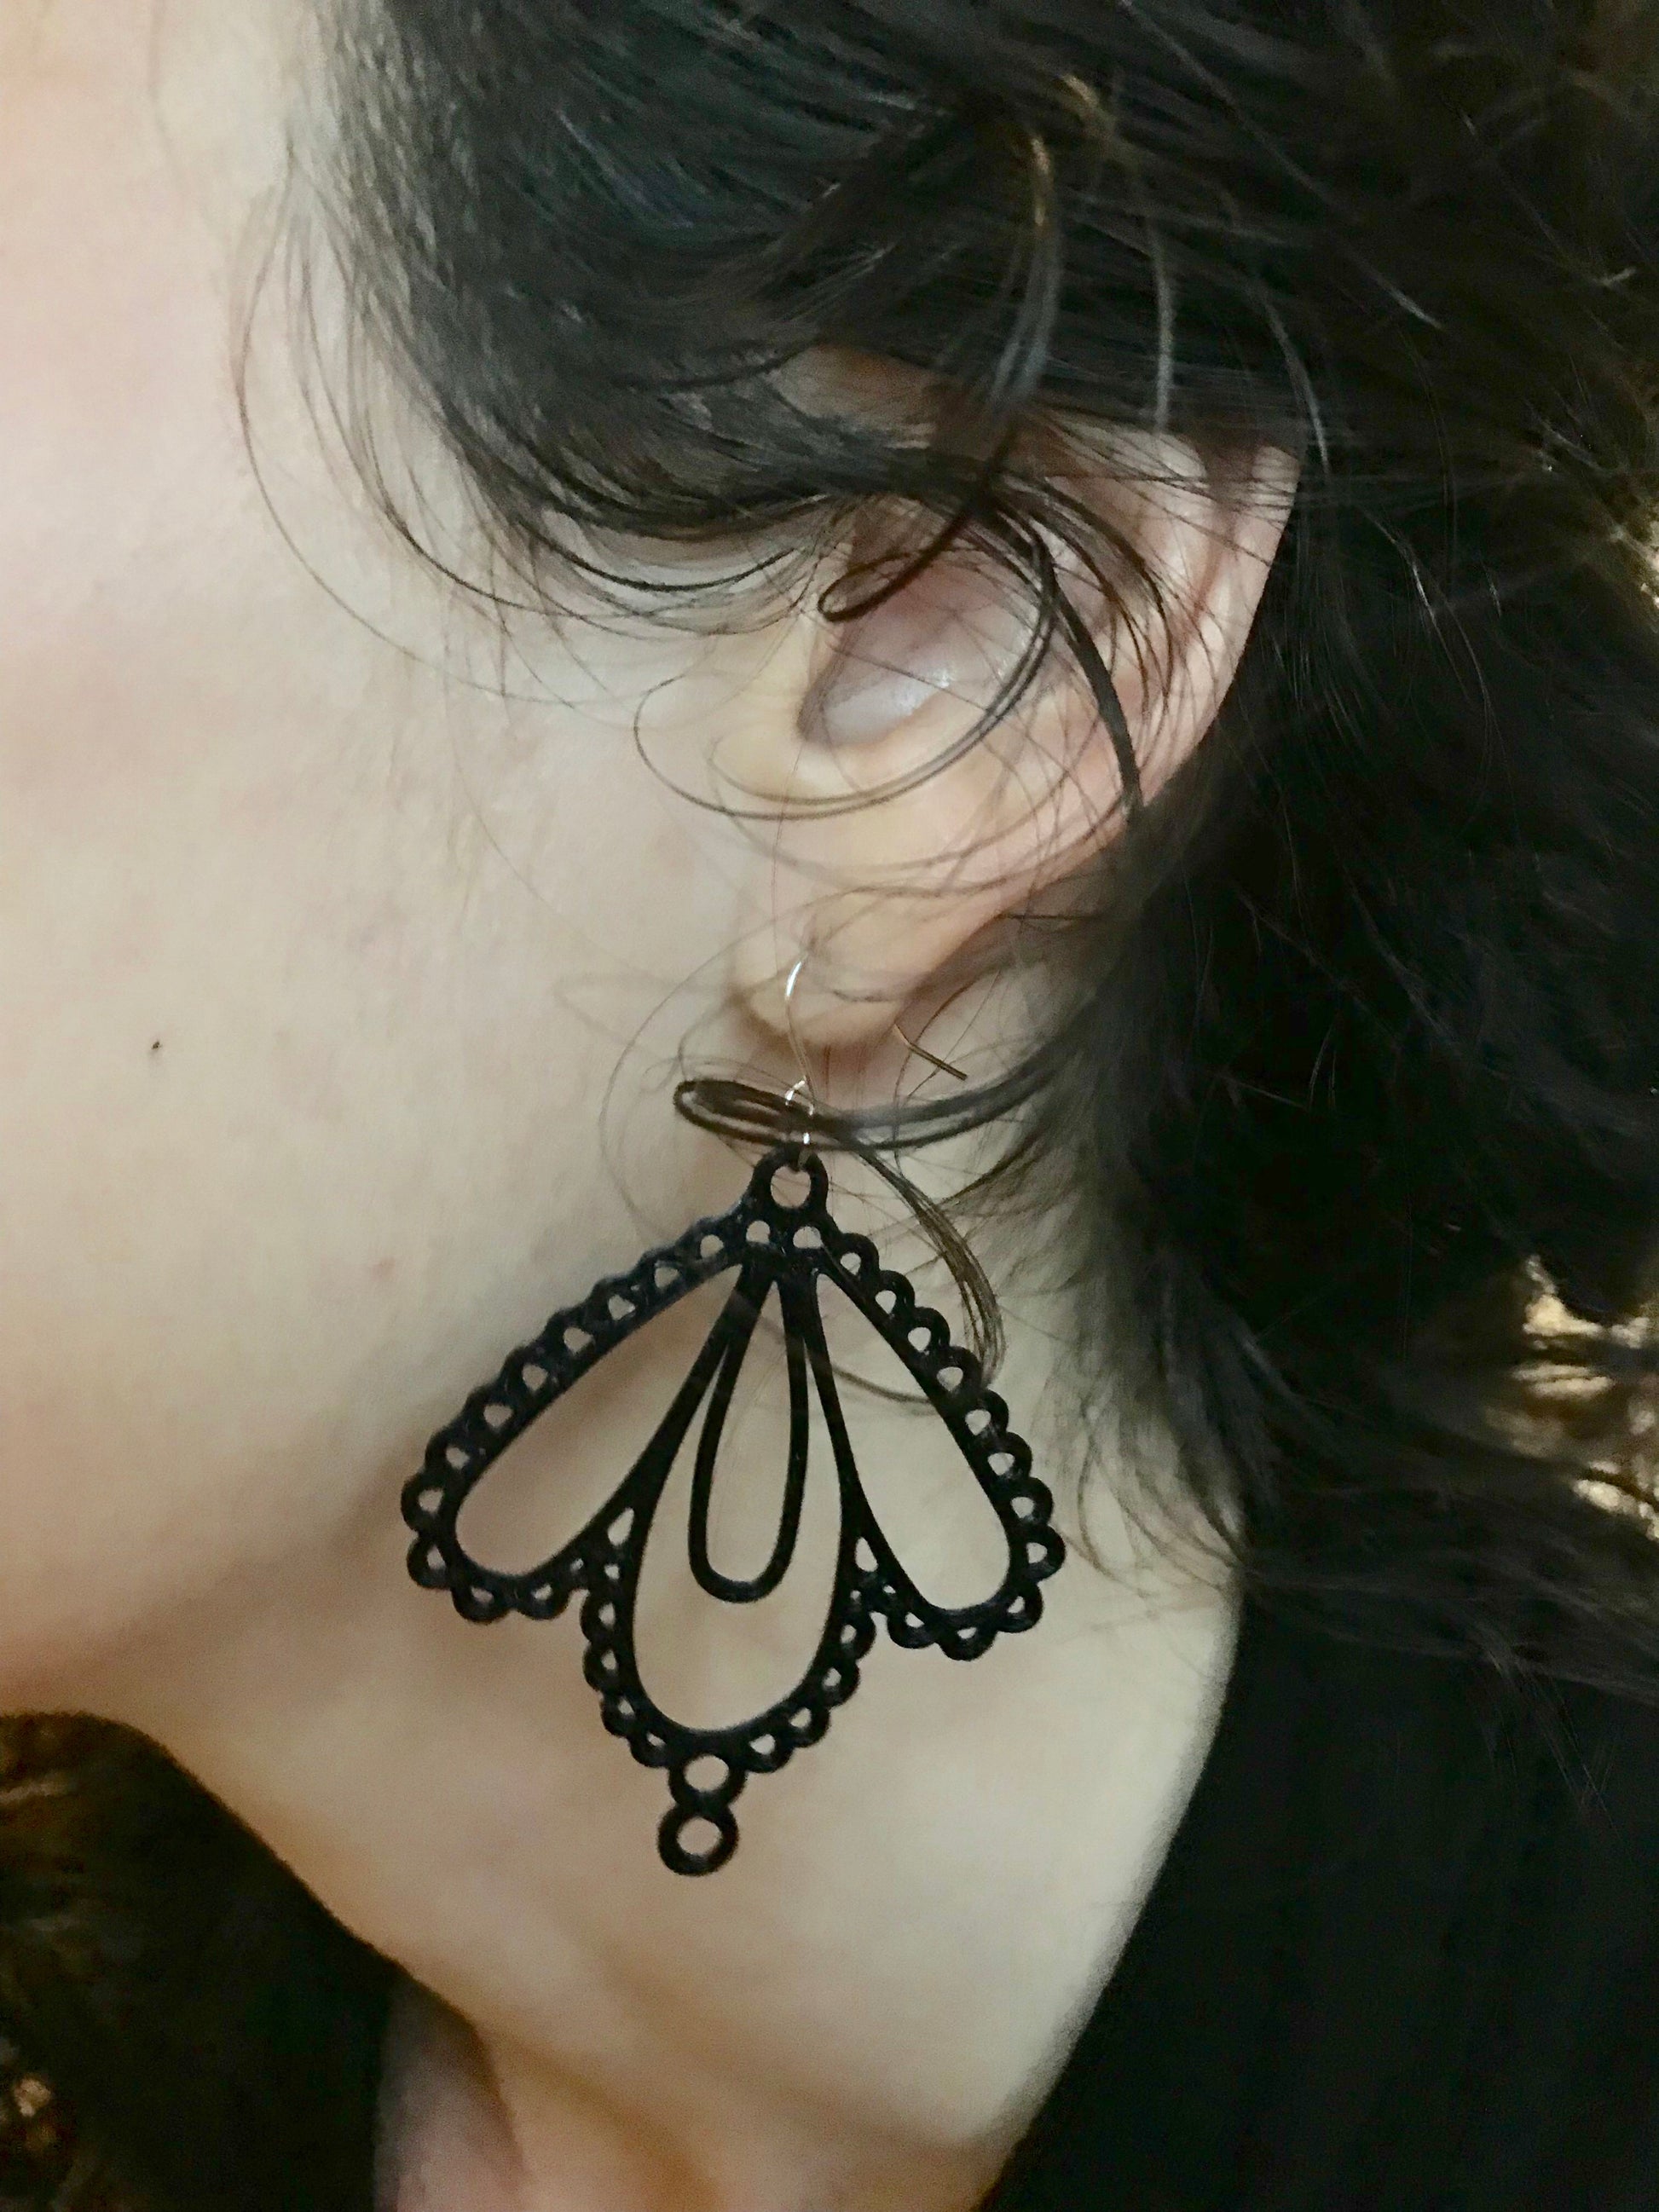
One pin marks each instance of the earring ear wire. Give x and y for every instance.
(944, 1066)
(803, 1082)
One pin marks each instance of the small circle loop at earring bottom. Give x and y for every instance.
(678, 1857)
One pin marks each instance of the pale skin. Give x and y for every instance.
(340, 991)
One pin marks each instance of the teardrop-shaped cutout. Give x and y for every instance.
(705, 1659)
(747, 1584)
(924, 1495)
(551, 1479)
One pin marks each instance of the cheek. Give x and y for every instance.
(193, 1239)
(391, 945)
(124, 505)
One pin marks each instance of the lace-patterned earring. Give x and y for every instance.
(780, 1237)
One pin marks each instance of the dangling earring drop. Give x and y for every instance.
(779, 1237)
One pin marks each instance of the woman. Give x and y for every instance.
(1040, 616)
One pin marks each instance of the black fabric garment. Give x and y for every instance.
(1402, 1956)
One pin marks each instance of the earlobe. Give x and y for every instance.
(904, 828)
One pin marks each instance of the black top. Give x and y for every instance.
(1402, 1954)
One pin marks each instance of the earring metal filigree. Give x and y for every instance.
(780, 1238)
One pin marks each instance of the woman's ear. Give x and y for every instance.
(894, 837)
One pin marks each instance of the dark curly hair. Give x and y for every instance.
(1355, 1059)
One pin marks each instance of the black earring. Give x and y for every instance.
(780, 1236)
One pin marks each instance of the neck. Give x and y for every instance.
(860, 2012)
